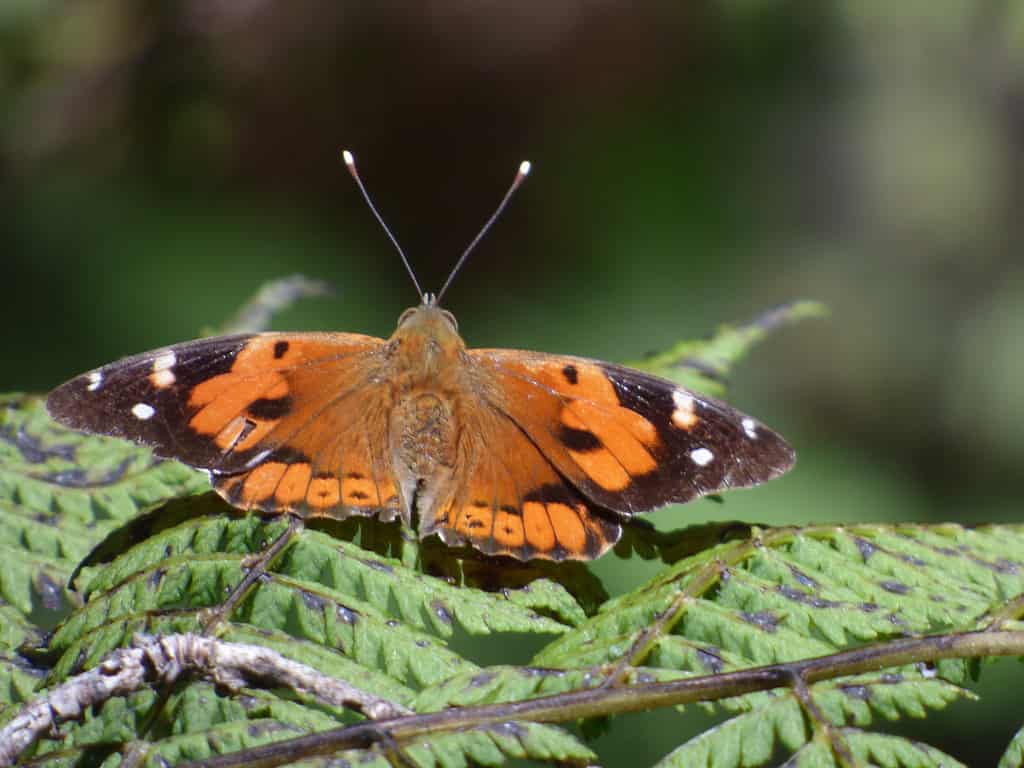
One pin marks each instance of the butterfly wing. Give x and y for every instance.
(629, 441)
(280, 421)
(507, 498)
(552, 447)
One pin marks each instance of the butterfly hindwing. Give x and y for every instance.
(281, 421)
(630, 441)
(508, 499)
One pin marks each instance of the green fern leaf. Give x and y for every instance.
(46, 470)
(483, 746)
(781, 595)
(776, 721)
(1013, 757)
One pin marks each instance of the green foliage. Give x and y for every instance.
(413, 629)
(1014, 754)
(704, 366)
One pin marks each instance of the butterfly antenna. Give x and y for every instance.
(522, 173)
(350, 163)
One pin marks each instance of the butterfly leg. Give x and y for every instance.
(253, 570)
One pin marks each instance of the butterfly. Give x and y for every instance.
(517, 453)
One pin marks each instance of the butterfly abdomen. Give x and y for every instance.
(423, 433)
(426, 432)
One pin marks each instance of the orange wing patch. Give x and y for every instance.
(509, 530)
(537, 526)
(241, 407)
(260, 485)
(323, 493)
(292, 487)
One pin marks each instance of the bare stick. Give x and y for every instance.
(162, 660)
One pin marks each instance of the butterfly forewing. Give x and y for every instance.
(629, 441)
(281, 421)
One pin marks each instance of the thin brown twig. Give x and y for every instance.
(253, 571)
(596, 702)
(820, 723)
(643, 644)
(707, 577)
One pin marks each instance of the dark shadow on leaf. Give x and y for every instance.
(150, 523)
(465, 565)
(457, 565)
(642, 539)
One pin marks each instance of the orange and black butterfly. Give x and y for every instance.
(518, 453)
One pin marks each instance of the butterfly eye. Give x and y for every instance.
(406, 315)
(451, 319)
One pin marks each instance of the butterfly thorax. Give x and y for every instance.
(428, 363)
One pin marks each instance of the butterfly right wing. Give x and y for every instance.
(281, 421)
(554, 445)
(628, 440)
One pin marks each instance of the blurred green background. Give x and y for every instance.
(694, 163)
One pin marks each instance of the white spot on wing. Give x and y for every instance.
(750, 427)
(685, 414)
(95, 380)
(163, 374)
(164, 361)
(701, 456)
(161, 379)
(143, 411)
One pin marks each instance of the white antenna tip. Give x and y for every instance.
(524, 168)
(347, 157)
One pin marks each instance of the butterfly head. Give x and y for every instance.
(428, 333)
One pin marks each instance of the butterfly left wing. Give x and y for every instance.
(281, 421)
(627, 440)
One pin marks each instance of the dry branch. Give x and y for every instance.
(162, 660)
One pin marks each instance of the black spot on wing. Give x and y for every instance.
(267, 409)
(552, 493)
(579, 440)
(571, 374)
(280, 349)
